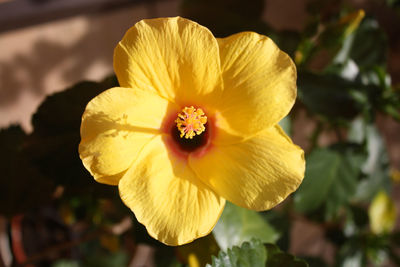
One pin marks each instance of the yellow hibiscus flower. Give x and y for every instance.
(193, 124)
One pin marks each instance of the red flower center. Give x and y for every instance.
(188, 132)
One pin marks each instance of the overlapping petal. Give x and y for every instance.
(175, 56)
(259, 84)
(256, 174)
(115, 126)
(167, 198)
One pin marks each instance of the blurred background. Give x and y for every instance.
(49, 45)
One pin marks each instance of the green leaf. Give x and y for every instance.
(198, 252)
(370, 45)
(356, 220)
(330, 179)
(277, 258)
(328, 95)
(365, 250)
(18, 175)
(250, 254)
(255, 254)
(331, 40)
(376, 166)
(336, 33)
(53, 146)
(376, 76)
(350, 259)
(347, 70)
(237, 225)
(379, 92)
(342, 55)
(314, 261)
(281, 222)
(286, 125)
(350, 254)
(61, 112)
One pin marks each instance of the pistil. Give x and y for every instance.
(191, 121)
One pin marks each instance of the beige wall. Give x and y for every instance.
(46, 58)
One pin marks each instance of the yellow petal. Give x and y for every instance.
(176, 56)
(115, 126)
(256, 174)
(259, 84)
(167, 198)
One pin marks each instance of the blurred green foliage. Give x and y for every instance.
(343, 84)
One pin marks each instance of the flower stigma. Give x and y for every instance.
(190, 122)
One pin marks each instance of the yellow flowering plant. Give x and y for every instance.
(194, 123)
(188, 127)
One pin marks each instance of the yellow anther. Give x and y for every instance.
(190, 122)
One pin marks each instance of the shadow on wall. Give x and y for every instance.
(29, 71)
